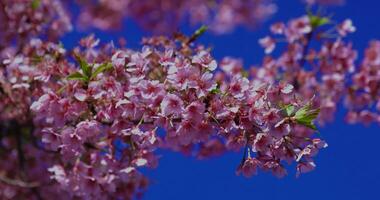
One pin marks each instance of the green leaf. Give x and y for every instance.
(200, 31)
(306, 115)
(307, 112)
(245, 73)
(36, 4)
(77, 76)
(289, 110)
(103, 67)
(84, 66)
(317, 21)
(197, 34)
(215, 91)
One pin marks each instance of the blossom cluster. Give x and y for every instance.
(363, 96)
(22, 19)
(23, 78)
(96, 121)
(329, 70)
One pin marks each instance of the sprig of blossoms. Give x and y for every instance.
(330, 70)
(363, 97)
(22, 20)
(98, 121)
(314, 69)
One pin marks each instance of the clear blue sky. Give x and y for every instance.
(348, 169)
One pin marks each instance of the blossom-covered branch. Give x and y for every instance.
(81, 123)
(328, 68)
(101, 119)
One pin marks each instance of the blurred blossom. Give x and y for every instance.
(165, 16)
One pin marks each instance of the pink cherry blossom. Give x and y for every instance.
(346, 27)
(268, 43)
(171, 105)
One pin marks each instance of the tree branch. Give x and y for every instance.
(18, 183)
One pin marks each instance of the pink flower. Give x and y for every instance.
(171, 105)
(87, 129)
(287, 88)
(181, 77)
(254, 113)
(281, 129)
(367, 117)
(231, 66)
(71, 143)
(305, 167)
(239, 86)
(320, 144)
(51, 139)
(346, 27)
(204, 59)
(297, 28)
(194, 112)
(167, 59)
(80, 95)
(185, 133)
(151, 89)
(59, 174)
(279, 171)
(261, 142)
(203, 84)
(42, 103)
(249, 167)
(278, 28)
(128, 108)
(140, 162)
(211, 148)
(268, 43)
(119, 59)
(145, 139)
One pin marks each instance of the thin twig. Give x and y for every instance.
(18, 183)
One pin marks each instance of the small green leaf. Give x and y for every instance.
(306, 115)
(83, 65)
(103, 67)
(77, 76)
(36, 4)
(307, 112)
(215, 91)
(197, 34)
(317, 21)
(289, 110)
(200, 31)
(245, 73)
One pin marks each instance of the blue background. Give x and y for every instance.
(348, 169)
